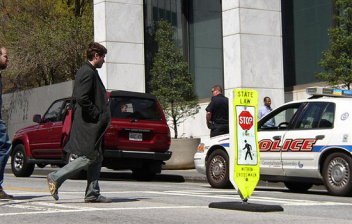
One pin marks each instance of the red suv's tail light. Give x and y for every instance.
(169, 136)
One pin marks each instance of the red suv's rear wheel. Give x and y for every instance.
(143, 174)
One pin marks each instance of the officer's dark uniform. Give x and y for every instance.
(219, 109)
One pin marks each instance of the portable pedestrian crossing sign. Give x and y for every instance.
(244, 143)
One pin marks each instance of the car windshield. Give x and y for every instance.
(134, 108)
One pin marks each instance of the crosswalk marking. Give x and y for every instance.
(270, 200)
(79, 209)
(32, 207)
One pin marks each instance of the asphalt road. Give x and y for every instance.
(174, 197)
(177, 176)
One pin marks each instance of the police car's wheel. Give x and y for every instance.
(298, 187)
(218, 169)
(337, 174)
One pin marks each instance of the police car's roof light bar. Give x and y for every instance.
(323, 91)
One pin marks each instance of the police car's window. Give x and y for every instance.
(280, 117)
(311, 116)
(327, 119)
(52, 115)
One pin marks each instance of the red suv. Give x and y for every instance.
(138, 137)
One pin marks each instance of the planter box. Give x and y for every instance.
(183, 151)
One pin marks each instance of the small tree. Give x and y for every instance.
(171, 82)
(337, 61)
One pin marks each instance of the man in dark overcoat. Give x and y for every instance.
(91, 119)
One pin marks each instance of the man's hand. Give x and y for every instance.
(208, 117)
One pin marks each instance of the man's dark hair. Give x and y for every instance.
(218, 88)
(94, 48)
(0, 50)
(266, 98)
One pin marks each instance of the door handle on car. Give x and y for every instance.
(319, 137)
(277, 137)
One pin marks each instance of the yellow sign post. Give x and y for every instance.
(244, 151)
(246, 167)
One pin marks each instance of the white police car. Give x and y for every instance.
(310, 143)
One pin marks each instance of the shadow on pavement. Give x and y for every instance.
(115, 176)
(16, 199)
(112, 175)
(311, 191)
(27, 197)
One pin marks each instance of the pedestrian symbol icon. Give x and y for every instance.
(249, 149)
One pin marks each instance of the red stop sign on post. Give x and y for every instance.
(245, 120)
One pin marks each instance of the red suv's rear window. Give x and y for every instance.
(134, 108)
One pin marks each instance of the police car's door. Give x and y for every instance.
(312, 130)
(271, 130)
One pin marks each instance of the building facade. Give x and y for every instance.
(272, 46)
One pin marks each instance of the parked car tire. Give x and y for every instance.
(41, 165)
(298, 187)
(19, 165)
(337, 174)
(143, 174)
(217, 169)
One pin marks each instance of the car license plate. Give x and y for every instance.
(136, 136)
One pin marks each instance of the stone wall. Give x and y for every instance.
(19, 107)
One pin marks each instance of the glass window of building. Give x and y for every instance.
(197, 26)
(155, 10)
(305, 36)
(205, 38)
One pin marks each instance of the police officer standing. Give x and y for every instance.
(218, 113)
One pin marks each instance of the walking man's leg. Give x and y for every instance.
(56, 178)
(93, 173)
(93, 190)
(5, 149)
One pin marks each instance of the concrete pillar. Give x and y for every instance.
(252, 44)
(118, 25)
